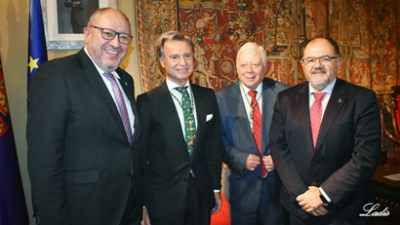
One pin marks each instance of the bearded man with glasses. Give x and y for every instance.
(82, 130)
(325, 141)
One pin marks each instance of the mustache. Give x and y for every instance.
(320, 69)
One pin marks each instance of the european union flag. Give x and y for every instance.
(12, 201)
(37, 40)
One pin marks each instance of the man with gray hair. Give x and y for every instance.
(246, 110)
(181, 140)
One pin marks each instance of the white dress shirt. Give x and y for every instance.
(171, 87)
(324, 102)
(247, 103)
(109, 88)
(328, 89)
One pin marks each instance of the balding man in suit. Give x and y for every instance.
(82, 127)
(325, 141)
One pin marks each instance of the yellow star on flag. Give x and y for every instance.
(33, 63)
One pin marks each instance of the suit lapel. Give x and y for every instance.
(335, 103)
(268, 101)
(169, 113)
(125, 85)
(302, 111)
(201, 115)
(240, 113)
(129, 91)
(98, 86)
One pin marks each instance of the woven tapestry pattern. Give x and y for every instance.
(365, 30)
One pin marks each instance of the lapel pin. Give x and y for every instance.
(340, 100)
(126, 83)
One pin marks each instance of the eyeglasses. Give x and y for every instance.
(109, 34)
(324, 60)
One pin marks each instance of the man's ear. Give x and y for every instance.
(339, 60)
(162, 62)
(265, 69)
(194, 62)
(86, 33)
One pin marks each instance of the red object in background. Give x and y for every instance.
(222, 217)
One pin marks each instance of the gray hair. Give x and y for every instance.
(170, 35)
(250, 45)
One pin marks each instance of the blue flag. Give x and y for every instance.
(37, 49)
(12, 201)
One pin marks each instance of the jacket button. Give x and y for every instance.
(129, 174)
(185, 179)
(313, 164)
(148, 162)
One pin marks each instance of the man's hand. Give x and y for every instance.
(218, 203)
(320, 211)
(269, 164)
(311, 202)
(252, 162)
(145, 218)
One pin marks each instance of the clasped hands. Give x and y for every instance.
(253, 161)
(311, 202)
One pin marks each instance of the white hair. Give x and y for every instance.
(250, 45)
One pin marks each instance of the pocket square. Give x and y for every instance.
(209, 117)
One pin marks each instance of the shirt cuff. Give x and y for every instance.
(217, 191)
(325, 195)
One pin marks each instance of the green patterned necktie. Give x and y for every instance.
(188, 115)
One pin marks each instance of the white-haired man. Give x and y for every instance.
(246, 109)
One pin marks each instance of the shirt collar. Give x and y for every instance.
(246, 89)
(328, 89)
(171, 85)
(100, 70)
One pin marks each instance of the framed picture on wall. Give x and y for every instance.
(64, 21)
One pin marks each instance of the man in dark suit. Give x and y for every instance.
(80, 12)
(181, 138)
(253, 190)
(82, 125)
(325, 141)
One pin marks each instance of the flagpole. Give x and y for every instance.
(37, 48)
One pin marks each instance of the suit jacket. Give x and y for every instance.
(347, 151)
(81, 13)
(79, 158)
(238, 142)
(167, 162)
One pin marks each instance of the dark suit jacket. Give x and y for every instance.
(167, 162)
(238, 142)
(347, 151)
(79, 157)
(81, 13)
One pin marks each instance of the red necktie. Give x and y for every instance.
(257, 128)
(315, 115)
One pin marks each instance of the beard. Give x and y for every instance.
(320, 81)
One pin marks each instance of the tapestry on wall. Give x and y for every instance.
(365, 30)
